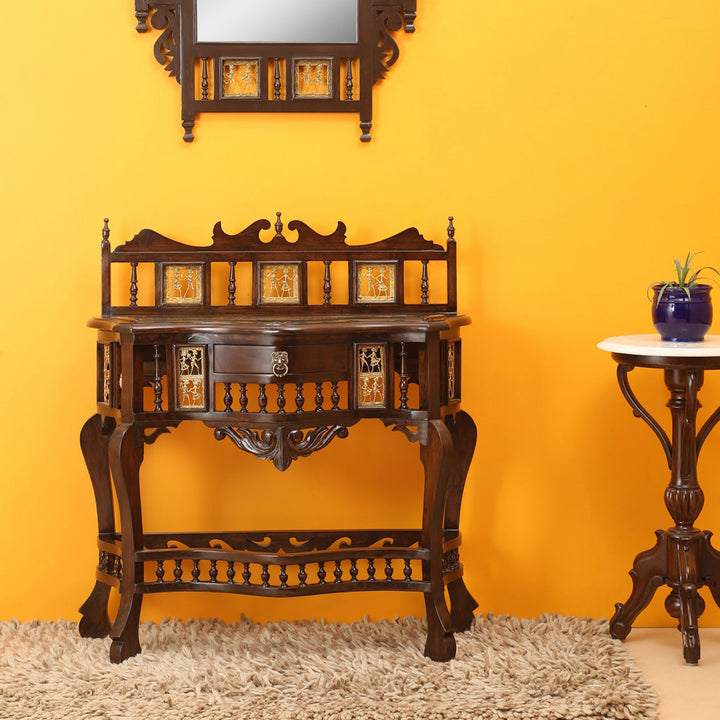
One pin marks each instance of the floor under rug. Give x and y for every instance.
(549, 668)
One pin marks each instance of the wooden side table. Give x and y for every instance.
(683, 557)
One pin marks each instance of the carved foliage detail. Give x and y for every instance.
(451, 561)
(280, 444)
(386, 51)
(166, 49)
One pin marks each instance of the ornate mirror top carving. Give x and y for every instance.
(276, 55)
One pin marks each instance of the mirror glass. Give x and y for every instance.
(277, 21)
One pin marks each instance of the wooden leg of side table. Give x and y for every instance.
(683, 557)
(464, 436)
(648, 574)
(711, 567)
(437, 458)
(126, 455)
(94, 440)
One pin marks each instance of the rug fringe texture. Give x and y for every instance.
(548, 668)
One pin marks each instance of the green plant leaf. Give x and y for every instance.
(686, 277)
(679, 271)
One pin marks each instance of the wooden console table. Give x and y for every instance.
(683, 557)
(281, 377)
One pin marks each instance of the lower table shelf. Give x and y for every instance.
(288, 563)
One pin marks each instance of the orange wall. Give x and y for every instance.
(577, 146)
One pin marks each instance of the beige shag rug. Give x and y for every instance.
(549, 668)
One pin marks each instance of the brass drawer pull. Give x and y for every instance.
(279, 363)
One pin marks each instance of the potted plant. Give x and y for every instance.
(682, 308)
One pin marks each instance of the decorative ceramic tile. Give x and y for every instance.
(375, 282)
(241, 78)
(190, 385)
(371, 376)
(451, 370)
(107, 373)
(279, 283)
(313, 78)
(182, 284)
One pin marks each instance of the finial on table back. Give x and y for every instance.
(106, 233)
(278, 228)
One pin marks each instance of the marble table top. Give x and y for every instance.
(651, 345)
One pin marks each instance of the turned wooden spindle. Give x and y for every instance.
(205, 85)
(276, 82)
(424, 285)
(133, 284)
(348, 79)
(231, 283)
(327, 287)
(299, 399)
(157, 381)
(404, 378)
(318, 397)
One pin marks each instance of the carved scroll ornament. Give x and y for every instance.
(282, 445)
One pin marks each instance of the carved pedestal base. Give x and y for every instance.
(684, 562)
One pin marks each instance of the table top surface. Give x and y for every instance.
(326, 324)
(652, 346)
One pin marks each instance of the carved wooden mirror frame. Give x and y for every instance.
(274, 76)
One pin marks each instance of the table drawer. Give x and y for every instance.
(301, 360)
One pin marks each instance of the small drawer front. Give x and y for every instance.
(262, 359)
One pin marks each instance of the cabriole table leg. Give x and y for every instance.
(437, 458)
(94, 440)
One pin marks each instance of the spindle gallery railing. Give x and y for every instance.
(287, 563)
(183, 275)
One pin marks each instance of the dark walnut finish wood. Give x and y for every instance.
(281, 377)
(683, 557)
(246, 76)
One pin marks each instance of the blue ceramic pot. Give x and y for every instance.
(679, 318)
